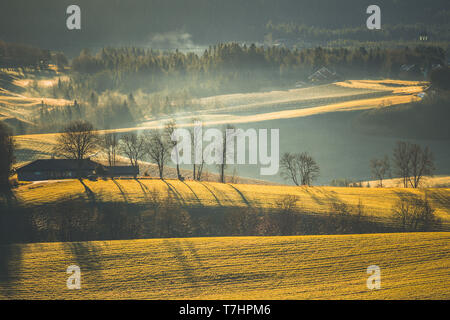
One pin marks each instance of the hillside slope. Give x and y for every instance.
(377, 202)
(413, 266)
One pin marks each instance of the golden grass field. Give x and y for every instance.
(413, 266)
(377, 202)
(338, 89)
(395, 92)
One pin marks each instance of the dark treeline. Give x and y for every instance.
(232, 67)
(118, 85)
(13, 55)
(404, 32)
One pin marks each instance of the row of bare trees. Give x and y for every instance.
(156, 146)
(79, 140)
(411, 163)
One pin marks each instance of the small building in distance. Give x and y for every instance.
(423, 36)
(411, 71)
(49, 169)
(323, 75)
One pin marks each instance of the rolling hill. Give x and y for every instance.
(193, 194)
(413, 266)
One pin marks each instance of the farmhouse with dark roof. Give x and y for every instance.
(47, 169)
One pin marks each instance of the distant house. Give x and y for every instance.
(408, 67)
(323, 75)
(411, 71)
(300, 84)
(423, 36)
(48, 169)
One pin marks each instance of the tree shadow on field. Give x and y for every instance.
(314, 196)
(405, 195)
(90, 194)
(10, 265)
(193, 192)
(8, 199)
(223, 194)
(440, 197)
(175, 248)
(144, 188)
(11, 229)
(213, 194)
(86, 255)
(173, 193)
(241, 194)
(327, 197)
(122, 191)
(194, 252)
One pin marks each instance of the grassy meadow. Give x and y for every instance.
(193, 194)
(413, 266)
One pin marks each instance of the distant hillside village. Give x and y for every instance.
(48, 169)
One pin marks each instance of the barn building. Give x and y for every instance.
(48, 169)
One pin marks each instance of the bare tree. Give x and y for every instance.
(309, 170)
(300, 168)
(402, 159)
(157, 149)
(412, 163)
(226, 145)
(169, 130)
(380, 169)
(235, 177)
(133, 146)
(422, 163)
(289, 168)
(197, 168)
(110, 143)
(77, 140)
(199, 174)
